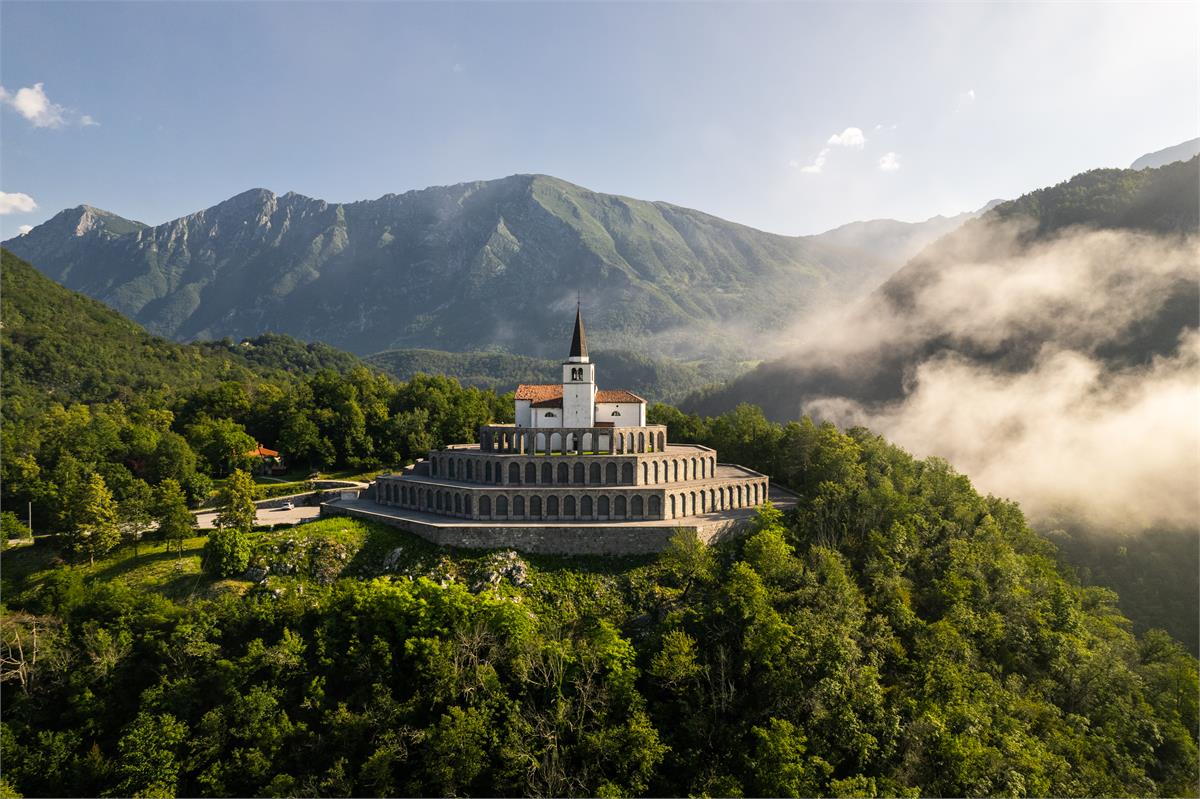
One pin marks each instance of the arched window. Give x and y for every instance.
(656, 472)
(627, 473)
(518, 506)
(531, 473)
(551, 506)
(467, 504)
(673, 506)
(471, 470)
(485, 507)
(564, 474)
(594, 474)
(645, 474)
(662, 442)
(458, 503)
(602, 508)
(514, 473)
(641, 442)
(568, 507)
(578, 473)
(535, 507)
(585, 507)
(610, 474)
(502, 506)
(439, 500)
(547, 473)
(619, 506)
(639, 507)
(487, 472)
(655, 507)
(452, 467)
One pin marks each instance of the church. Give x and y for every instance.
(579, 471)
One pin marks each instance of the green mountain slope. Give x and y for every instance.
(1155, 201)
(656, 379)
(471, 266)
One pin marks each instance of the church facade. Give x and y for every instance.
(577, 456)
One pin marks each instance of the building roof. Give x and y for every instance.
(262, 452)
(579, 339)
(617, 395)
(550, 396)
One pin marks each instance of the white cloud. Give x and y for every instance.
(850, 137)
(970, 95)
(23, 229)
(882, 127)
(890, 162)
(32, 103)
(16, 203)
(817, 164)
(793, 163)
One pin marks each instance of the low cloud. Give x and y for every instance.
(16, 203)
(32, 103)
(890, 162)
(1026, 366)
(850, 137)
(23, 229)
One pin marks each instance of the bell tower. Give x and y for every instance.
(579, 381)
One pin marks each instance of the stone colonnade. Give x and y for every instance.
(473, 466)
(509, 439)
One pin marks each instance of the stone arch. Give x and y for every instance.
(555, 442)
(535, 507)
(712, 499)
(673, 506)
(578, 474)
(638, 509)
(645, 473)
(656, 472)
(662, 442)
(458, 503)
(514, 473)
(620, 506)
(641, 442)
(467, 505)
(564, 474)
(451, 475)
(610, 473)
(602, 508)
(568, 507)
(437, 500)
(589, 442)
(471, 469)
(547, 473)
(531, 473)
(585, 507)
(552, 505)
(627, 473)
(675, 463)
(485, 507)
(518, 506)
(691, 500)
(655, 507)
(594, 474)
(487, 472)
(502, 506)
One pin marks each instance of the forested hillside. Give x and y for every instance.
(899, 635)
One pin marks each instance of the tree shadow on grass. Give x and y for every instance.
(415, 553)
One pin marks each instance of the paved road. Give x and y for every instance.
(301, 513)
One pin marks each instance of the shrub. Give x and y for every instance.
(227, 552)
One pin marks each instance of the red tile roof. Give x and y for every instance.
(262, 452)
(617, 395)
(537, 393)
(550, 396)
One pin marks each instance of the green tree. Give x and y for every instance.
(227, 552)
(235, 507)
(135, 513)
(175, 521)
(149, 763)
(12, 528)
(91, 514)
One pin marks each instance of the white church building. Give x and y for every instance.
(576, 402)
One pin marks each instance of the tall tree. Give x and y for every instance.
(92, 514)
(235, 508)
(175, 521)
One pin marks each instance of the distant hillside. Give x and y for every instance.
(58, 345)
(465, 267)
(656, 379)
(1168, 155)
(1162, 201)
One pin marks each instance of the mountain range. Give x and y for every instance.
(484, 265)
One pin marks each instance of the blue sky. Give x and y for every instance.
(156, 110)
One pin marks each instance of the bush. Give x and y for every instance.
(227, 552)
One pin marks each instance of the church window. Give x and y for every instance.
(616, 413)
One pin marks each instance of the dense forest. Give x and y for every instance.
(896, 634)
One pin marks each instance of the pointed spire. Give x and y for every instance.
(579, 339)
